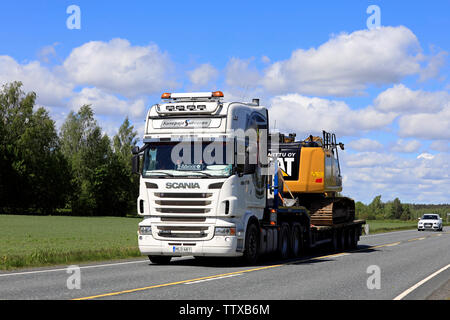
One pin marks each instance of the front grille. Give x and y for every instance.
(182, 210)
(182, 203)
(176, 208)
(183, 219)
(182, 228)
(428, 225)
(182, 232)
(183, 195)
(183, 235)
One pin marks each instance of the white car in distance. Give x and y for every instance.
(430, 221)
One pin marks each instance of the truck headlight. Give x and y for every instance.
(145, 230)
(225, 231)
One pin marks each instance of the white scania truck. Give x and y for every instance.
(206, 188)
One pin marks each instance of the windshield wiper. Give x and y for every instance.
(160, 172)
(204, 173)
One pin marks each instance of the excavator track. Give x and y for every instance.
(330, 211)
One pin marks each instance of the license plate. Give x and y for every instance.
(182, 250)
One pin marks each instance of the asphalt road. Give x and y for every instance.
(412, 265)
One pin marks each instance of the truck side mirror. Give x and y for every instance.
(135, 150)
(135, 164)
(240, 170)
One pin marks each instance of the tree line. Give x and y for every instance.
(396, 210)
(78, 170)
(82, 171)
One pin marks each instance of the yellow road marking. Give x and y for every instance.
(417, 239)
(393, 244)
(175, 283)
(231, 273)
(383, 245)
(330, 256)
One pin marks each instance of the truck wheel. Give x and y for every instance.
(283, 243)
(341, 240)
(251, 251)
(160, 259)
(334, 242)
(296, 240)
(348, 238)
(353, 238)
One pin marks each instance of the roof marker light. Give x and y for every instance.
(165, 95)
(217, 94)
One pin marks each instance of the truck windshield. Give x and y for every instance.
(181, 159)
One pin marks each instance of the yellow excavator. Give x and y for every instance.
(309, 172)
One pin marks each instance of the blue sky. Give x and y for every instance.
(295, 55)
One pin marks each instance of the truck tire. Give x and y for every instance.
(251, 252)
(296, 240)
(341, 240)
(283, 242)
(160, 259)
(334, 242)
(348, 238)
(353, 238)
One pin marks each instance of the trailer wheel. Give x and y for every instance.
(348, 238)
(353, 238)
(160, 259)
(341, 239)
(251, 251)
(334, 242)
(296, 240)
(283, 243)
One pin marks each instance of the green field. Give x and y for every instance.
(31, 241)
(379, 226)
(27, 241)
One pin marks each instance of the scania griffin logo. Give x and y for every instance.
(182, 185)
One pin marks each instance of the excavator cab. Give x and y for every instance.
(310, 172)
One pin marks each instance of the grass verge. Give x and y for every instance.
(380, 226)
(33, 241)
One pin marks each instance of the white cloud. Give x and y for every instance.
(426, 156)
(348, 63)
(265, 59)
(365, 144)
(422, 180)
(440, 145)
(118, 67)
(312, 115)
(107, 104)
(402, 99)
(406, 146)
(241, 73)
(426, 125)
(203, 75)
(368, 159)
(50, 86)
(435, 63)
(47, 53)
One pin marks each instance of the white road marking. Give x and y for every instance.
(217, 278)
(386, 233)
(414, 287)
(65, 269)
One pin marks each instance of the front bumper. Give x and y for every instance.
(428, 228)
(218, 246)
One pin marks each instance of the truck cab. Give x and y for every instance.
(201, 175)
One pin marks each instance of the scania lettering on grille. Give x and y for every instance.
(182, 185)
